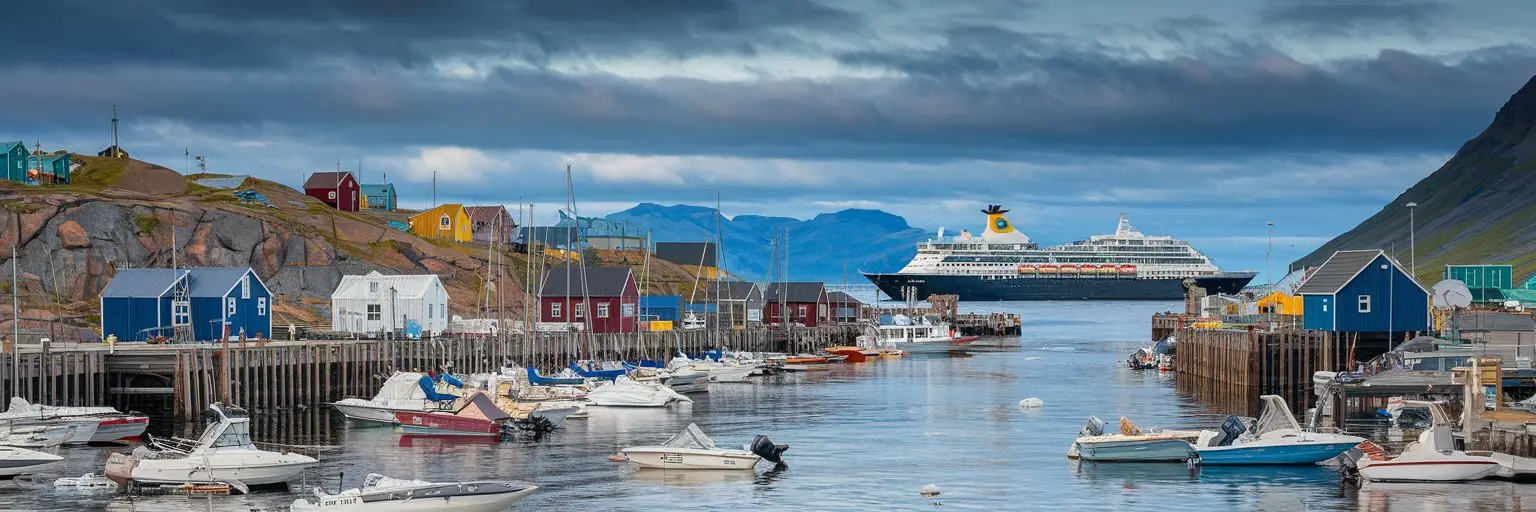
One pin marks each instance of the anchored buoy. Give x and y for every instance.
(1031, 402)
(929, 490)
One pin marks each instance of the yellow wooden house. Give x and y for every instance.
(1281, 304)
(445, 222)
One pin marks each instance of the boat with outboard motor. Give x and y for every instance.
(224, 453)
(920, 334)
(1433, 458)
(402, 392)
(1130, 444)
(44, 438)
(1274, 438)
(380, 493)
(16, 461)
(692, 449)
(627, 392)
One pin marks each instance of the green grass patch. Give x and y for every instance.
(99, 172)
(145, 224)
(21, 206)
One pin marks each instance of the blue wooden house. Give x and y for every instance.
(662, 307)
(1364, 291)
(143, 303)
(13, 161)
(380, 197)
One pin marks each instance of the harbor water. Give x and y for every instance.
(862, 437)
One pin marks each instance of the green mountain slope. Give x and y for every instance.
(1480, 207)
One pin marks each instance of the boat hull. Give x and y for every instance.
(679, 458)
(422, 423)
(1301, 453)
(275, 469)
(1449, 470)
(367, 413)
(690, 383)
(21, 461)
(974, 288)
(1155, 450)
(120, 430)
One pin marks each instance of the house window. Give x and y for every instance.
(181, 312)
(232, 309)
(579, 310)
(442, 310)
(554, 309)
(1365, 303)
(261, 306)
(430, 310)
(245, 287)
(373, 287)
(444, 222)
(800, 311)
(375, 312)
(821, 310)
(602, 311)
(331, 194)
(628, 310)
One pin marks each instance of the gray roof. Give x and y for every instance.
(1337, 272)
(802, 291)
(326, 179)
(600, 281)
(732, 290)
(838, 297)
(688, 253)
(142, 282)
(1487, 321)
(217, 281)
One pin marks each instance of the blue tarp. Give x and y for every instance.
(401, 226)
(429, 387)
(252, 196)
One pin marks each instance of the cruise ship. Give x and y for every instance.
(1003, 264)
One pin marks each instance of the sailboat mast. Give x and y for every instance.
(15, 327)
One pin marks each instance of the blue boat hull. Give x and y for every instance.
(1302, 453)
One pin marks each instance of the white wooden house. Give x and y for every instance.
(376, 303)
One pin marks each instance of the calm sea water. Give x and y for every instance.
(862, 437)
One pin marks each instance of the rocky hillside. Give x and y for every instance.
(1480, 207)
(71, 240)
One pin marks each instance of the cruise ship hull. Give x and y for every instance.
(974, 288)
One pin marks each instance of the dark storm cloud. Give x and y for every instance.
(1354, 17)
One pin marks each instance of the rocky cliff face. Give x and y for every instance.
(1480, 207)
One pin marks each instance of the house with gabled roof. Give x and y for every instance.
(803, 302)
(142, 303)
(1364, 291)
(339, 189)
(609, 294)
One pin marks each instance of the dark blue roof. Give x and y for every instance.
(142, 282)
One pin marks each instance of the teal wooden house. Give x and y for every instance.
(49, 168)
(380, 197)
(13, 159)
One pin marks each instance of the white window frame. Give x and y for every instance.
(330, 194)
(373, 287)
(800, 310)
(181, 312)
(375, 312)
(602, 310)
(628, 310)
(579, 310)
(1363, 304)
(233, 307)
(444, 222)
(245, 286)
(554, 310)
(261, 306)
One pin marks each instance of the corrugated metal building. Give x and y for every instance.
(662, 307)
(142, 303)
(1364, 291)
(378, 303)
(1483, 281)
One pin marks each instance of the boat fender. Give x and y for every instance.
(929, 491)
(617, 458)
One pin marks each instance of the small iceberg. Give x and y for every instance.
(1031, 403)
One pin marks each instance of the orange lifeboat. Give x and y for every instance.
(1069, 269)
(1048, 269)
(1107, 269)
(1028, 269)
(1128, 269)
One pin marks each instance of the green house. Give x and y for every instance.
(52, 168)
(13, 160)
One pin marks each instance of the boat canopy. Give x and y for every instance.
(482, 407)
(401, 386)
(1276, 416)
(691, 437)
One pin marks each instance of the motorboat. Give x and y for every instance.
(93, 424)
(540, 380)
(46, 438)
(87, 481)
(1142, 359)
(627, 392)
(853, 354)
(15, 461)
(1433, 458)
(380, 493)
(1274, 438)
(479, 416)
(402, 392)
(691, 449)
(721, 369)
(542, 415)
(588, 370)
(922, 334)
(1130, 445)
(224, 453)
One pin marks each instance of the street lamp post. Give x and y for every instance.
(1269, 273)
(1413, 254)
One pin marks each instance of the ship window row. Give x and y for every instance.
(964, 260)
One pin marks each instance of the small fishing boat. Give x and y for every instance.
(479, 416)
(691, 449)
(15, 461)
(94, 424)
(384, 494)
(1130, 445)
(627, 392)
(45, 438)
(1142, 359)
(1275, 438)
(84, 482)
(590, 372)
(852, 354)
(403, 391)
(806, 359)
(1434, 458)
(540, 380)
(224, 453)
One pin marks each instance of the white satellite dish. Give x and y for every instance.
(1452, 293)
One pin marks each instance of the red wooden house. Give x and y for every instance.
(338, 189)
(611, 304)
(805, 302)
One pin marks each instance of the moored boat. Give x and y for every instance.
(224, 453)
(627, 392)
(16, 461)
(922, 334)
(1433, 458)
(383, 494)
(402, 392)
(1275, 438)
(479, 416)
(1130, 445)
(692, 449)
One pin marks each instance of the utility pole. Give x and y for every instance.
(434, 189)
(1413, 253)
(117, 151)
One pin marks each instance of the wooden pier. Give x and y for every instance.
(295, 375)
(1232, 368)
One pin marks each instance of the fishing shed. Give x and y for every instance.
(490, 224)
(49, 168)
(445, 222)
(1364, 291)
(337, 189)
(845, 308)
(611, 292)
(142, 303)
(802, 302)
(740, 303)
(379, 196)
(376, 304)
(662, 307)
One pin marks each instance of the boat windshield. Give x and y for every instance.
(227, 435)
(1276, 416)
(691, 437)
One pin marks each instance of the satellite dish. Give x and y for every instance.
(1452, 293)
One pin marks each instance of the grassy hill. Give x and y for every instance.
(1480, 207)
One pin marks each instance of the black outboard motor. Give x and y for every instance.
(1231, 429)
(770, 452)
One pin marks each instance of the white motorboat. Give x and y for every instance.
(691, 449)
(1130, 445)
(224, 453)
(627, 392)
(87, 481)
(21, 461)
(380, 493)
(923, 334)
(724, 370)
(1275, 438)
(400, 393)
(1433, 458)
(46, 438)
(93, 424)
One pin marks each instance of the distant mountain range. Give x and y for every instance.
(1480, 207)
(819, 248)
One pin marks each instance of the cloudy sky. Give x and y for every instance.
(1199, 118)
